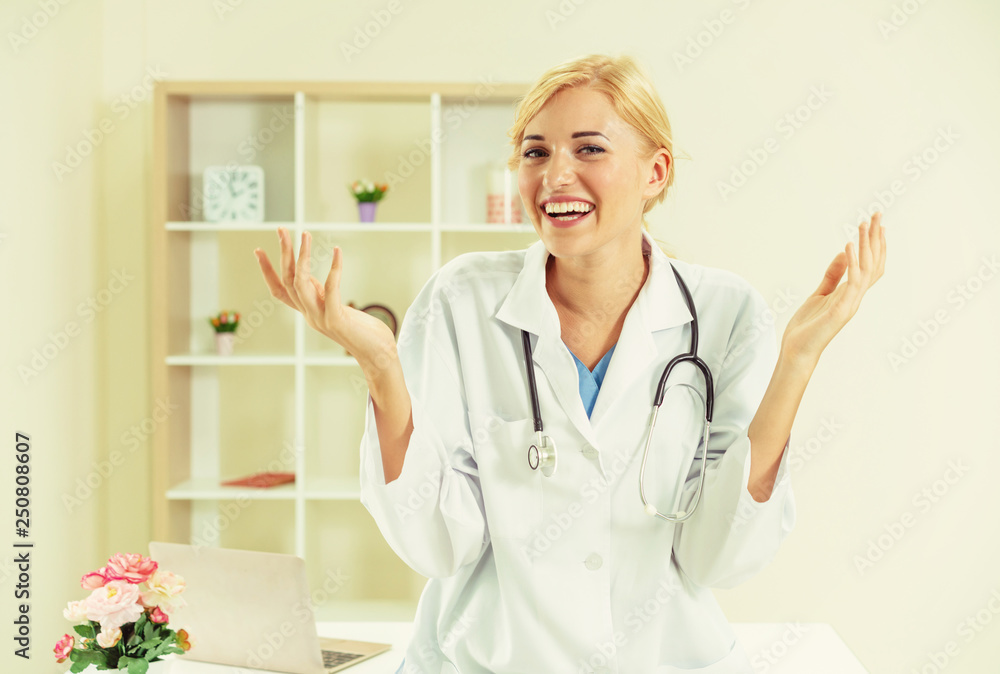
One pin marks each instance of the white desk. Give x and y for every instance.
(780, 648)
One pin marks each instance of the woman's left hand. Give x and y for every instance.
(828, 309)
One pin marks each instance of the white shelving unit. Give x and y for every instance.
(288, 394)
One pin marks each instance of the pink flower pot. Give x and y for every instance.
(224, 342)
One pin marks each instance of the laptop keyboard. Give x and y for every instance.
(334, 658)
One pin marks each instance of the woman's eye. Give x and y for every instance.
(586, 149)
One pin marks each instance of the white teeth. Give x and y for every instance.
(567, 206)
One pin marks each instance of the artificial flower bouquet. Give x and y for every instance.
(225, 321)
(365, 190)
(123, 623)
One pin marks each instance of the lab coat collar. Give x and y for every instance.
(659, 306)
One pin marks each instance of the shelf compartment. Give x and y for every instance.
(384, 142)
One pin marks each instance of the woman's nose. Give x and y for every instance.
(559, 172)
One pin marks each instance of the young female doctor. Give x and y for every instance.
(509, 430)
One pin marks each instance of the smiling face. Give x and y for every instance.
(578, 153)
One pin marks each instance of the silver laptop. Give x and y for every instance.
(252, 609)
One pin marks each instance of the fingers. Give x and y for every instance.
(288, 268)
(332, 288)
(271, 278)
(303, 285)
(833, 274)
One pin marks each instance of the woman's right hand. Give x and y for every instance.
(365, 337)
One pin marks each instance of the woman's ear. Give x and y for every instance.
(659, 165)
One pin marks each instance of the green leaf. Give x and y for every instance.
(85, 630)
(147, 631)
(135, 665)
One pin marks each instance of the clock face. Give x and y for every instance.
(234, 193)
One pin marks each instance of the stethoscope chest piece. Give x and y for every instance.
(542, 454)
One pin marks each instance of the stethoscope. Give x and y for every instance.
(542, 454)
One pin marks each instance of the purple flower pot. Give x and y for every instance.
(366, 209)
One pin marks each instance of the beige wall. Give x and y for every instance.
(895, 429)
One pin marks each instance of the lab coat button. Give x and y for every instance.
(593, 561)
(589, 452)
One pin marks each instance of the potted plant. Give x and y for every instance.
(123, 623)
(368, 194)
(225, 324)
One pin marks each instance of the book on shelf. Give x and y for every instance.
(262, 480)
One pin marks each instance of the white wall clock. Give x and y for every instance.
(234, 193)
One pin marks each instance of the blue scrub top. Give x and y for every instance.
(590, 382)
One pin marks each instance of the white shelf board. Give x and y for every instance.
(198, 226)
(208, 488)
(364, 227)
(489, 227)
(316, 489)
(333, 488)
(187, 359)
(244, 359)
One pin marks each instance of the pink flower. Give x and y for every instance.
(76, 612)
(131, 567)
(114, 604)
(63, 648)
(158, 616)
(109, 637)
(162, 589)
(93, 580)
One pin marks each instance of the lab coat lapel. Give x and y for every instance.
(660, 305)
(528, 307)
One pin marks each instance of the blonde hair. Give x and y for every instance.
(631, 93)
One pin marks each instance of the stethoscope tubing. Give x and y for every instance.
(708, 401)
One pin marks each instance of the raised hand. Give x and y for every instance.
(827, 310)
(364, 336)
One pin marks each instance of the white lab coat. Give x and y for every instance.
(567, 573)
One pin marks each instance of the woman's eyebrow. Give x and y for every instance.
(578, 134)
